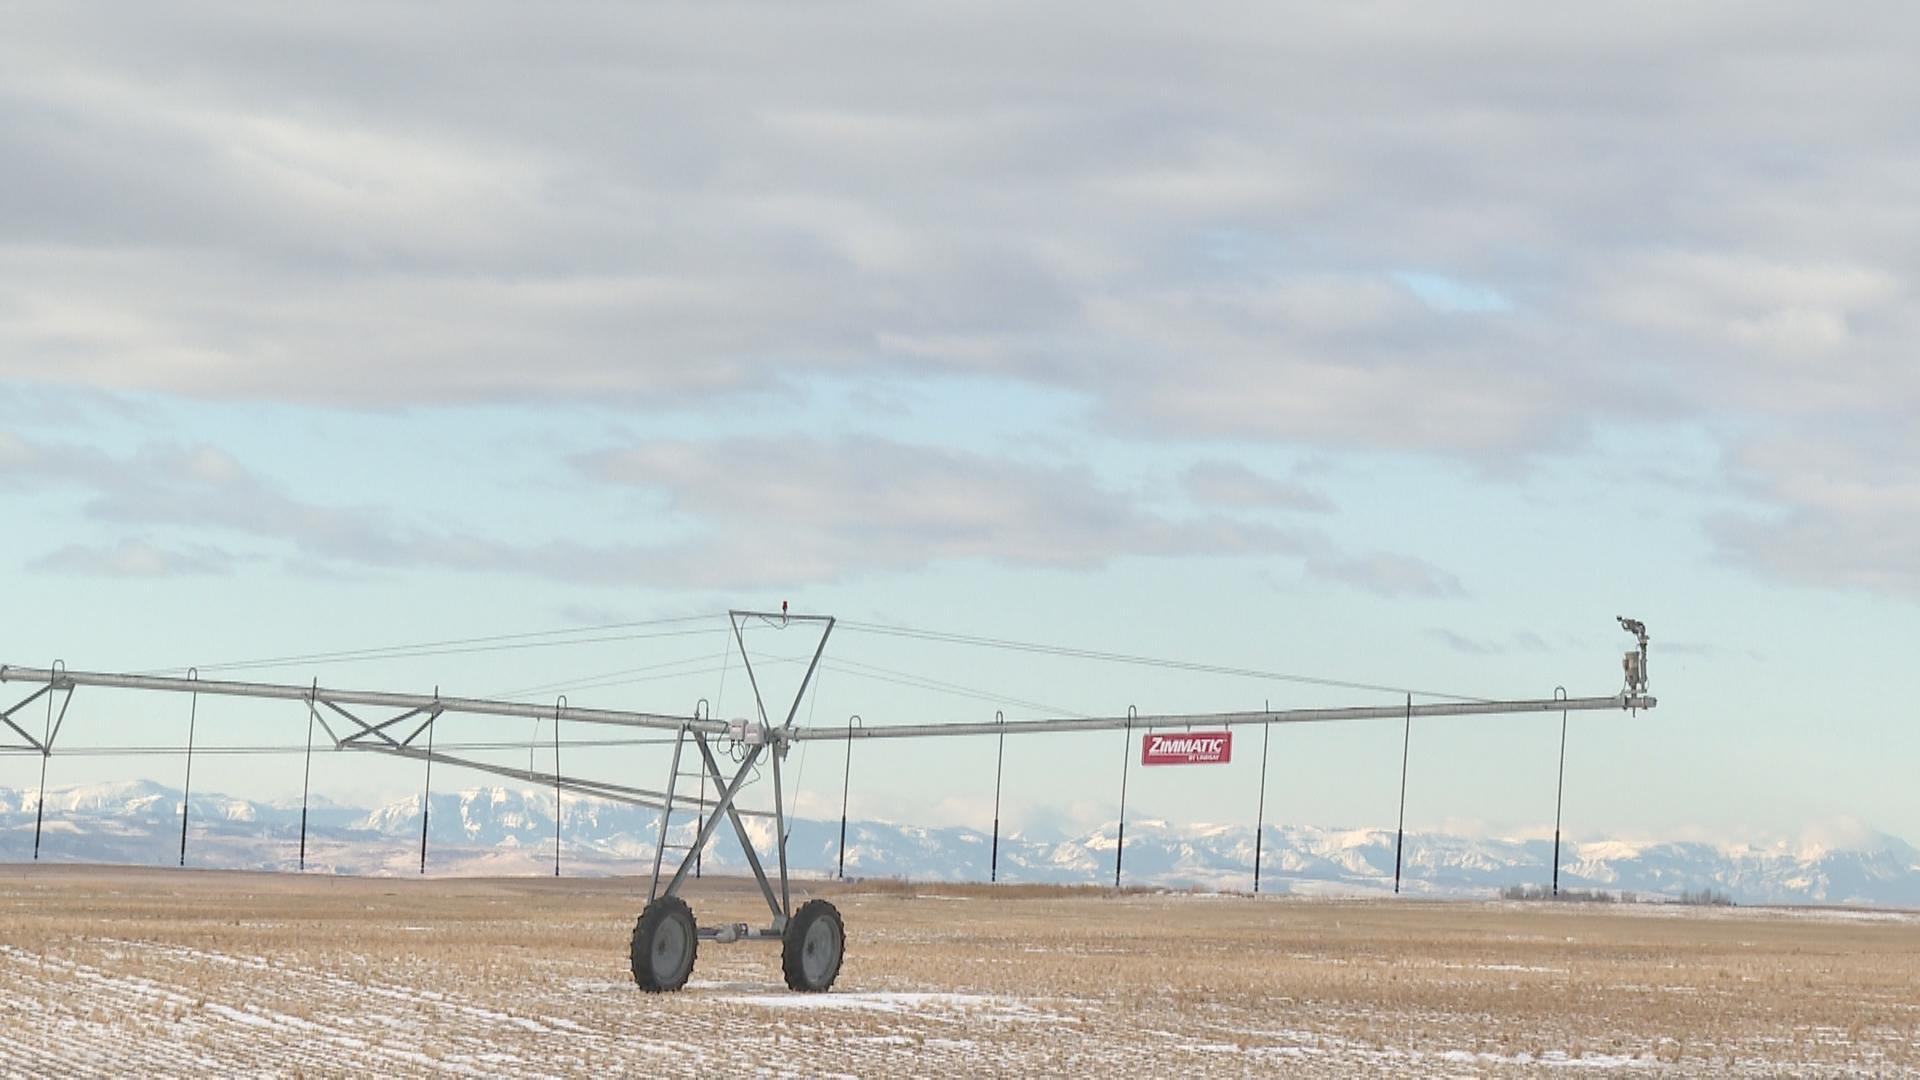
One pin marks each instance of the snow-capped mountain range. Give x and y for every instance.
(502, 830)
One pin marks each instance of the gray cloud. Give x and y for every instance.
(133, 558)
(1205, 227)
(1519, 641)
(1843, 509)
(198, 487)
(1385, 574)
(1232, 485)
(830, 511)
(832, 506)
(351, 207)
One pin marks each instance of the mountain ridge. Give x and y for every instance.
(501, 829)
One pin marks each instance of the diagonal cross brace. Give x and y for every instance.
(7, 717)
(380, 729)
(595, 788)
(313, 708)
(729, 789)
(45, 744)
(60, 720)
(432, 715)
(578, 785)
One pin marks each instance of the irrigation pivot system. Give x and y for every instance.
(666, 936)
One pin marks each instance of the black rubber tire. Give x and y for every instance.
(665, 943)
(812, 948)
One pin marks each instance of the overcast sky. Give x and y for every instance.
(1403, 344)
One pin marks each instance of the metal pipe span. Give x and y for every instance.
(379, 699)
(1288, 716)
(531, 711)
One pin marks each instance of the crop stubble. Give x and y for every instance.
(119, 971)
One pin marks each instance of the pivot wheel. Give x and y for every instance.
(664, 943)
(812, 947)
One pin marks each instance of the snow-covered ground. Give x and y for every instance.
(166, 973)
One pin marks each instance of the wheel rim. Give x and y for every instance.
(669, 952)
(820, 951)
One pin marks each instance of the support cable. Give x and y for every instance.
(46, 753)
(800, 774)
(1260, 809)
(1559, 790)
(1126, 763)
(426, 788)
(186, 791)
(453, 646)
(590, 684)
(999, 763)
(306, 776)
(1400, 835)
(719, 698)
(1070, 652)
(846, 786)
(922, 682)
(603, 679)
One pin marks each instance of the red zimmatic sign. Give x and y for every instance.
(1187, 748)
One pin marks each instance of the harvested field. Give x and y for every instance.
(183, 973)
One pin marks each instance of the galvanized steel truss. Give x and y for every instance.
(751, 741)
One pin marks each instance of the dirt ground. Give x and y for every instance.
(183, 973)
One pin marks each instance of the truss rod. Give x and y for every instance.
(1289, 716)
(280, 692)
(578, 785)
(7, 718)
